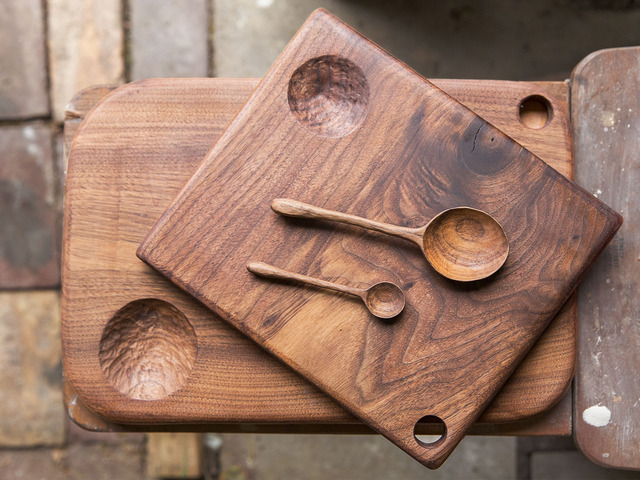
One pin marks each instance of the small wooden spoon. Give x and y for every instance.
(384, 299)
(461, 243)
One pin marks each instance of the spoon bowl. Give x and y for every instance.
(385, 300)
(465, 244)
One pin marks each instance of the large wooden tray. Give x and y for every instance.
(144, 141)
(338, 123)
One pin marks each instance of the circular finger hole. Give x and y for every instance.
(329, 95)
(535, 111)
(147, 349)
(429, 430)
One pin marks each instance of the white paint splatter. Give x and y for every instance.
(241, 22)
(264, 3)
(33, 150)
(608, 119)
(608, 280)
(596, 357)
(606, 129)
(605, 455)
(29, 133)
(597, 416)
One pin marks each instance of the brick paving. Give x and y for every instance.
(28, 188)
(82, 457)
(179, 32)
(50, 49)
(86, 47)
(358, 457)
(23, 71)
(31, 393)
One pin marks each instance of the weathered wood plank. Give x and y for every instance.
(605, 109)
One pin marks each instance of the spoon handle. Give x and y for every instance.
(293, 208)
(269, 271)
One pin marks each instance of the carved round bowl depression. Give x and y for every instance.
(329, 95)
(148, 349)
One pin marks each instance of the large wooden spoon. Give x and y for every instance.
(383, 300)
(462, 243)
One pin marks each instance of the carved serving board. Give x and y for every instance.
(339, 124)
(140, 145)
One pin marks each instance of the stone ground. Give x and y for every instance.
(50, 49)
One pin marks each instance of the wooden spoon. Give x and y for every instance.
(461, 243)
(383, 300)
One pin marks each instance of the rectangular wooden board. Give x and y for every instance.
(338, 123)
(605, 108)
(140, 145)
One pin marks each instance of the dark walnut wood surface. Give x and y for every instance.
(366, 136)
(180, 119)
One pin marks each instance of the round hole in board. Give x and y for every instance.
(430, 430)
(535, 111)
(329, 95)
(147, 349)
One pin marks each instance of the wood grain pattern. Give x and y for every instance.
(554, 421)
(407, 160)
(605, 108)
(140, 146)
